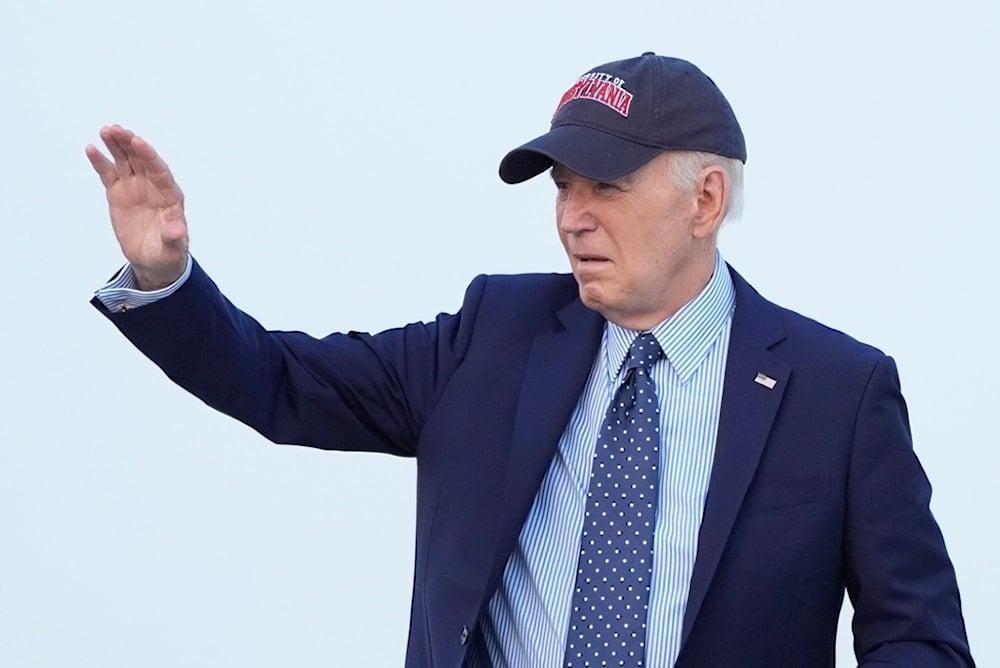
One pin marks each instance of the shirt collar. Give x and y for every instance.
(688, 335)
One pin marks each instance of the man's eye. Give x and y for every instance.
(606, 186)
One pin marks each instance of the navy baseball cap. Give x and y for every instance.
(617, 117)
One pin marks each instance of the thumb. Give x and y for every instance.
(174, 234)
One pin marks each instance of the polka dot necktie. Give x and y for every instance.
(607, 624)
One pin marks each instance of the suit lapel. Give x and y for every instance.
(747, 413)
(556, 372)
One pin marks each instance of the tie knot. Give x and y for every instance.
(643, 353)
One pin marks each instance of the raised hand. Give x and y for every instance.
(146, 206)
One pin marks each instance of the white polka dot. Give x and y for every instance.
(626, 557)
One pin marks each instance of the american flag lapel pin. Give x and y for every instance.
(765, 380)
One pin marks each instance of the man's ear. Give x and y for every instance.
(712, 193)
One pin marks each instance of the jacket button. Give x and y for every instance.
(463, 637)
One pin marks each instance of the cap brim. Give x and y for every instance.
(588, 152)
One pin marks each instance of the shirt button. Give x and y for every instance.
(463, 637)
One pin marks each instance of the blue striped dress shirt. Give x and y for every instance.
(526, 621)
(122, 292)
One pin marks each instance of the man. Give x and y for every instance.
(642, 464)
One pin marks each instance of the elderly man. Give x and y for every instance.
(642, 464)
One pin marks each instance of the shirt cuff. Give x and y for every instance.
(122, 294)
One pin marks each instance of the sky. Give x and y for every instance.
(340, 172)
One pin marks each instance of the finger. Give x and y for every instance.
(117, 138)
(104, 167)
(136, 159)
(155, 169)
(174, 234)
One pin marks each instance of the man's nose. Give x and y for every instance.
(575, 211)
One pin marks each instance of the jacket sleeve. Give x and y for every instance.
(351, 391)
(901, 582)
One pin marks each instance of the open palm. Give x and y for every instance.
(146, 206)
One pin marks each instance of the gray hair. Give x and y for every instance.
(686, 167)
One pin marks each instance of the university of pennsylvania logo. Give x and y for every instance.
(600, 87)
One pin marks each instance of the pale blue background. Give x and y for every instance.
(340, 172)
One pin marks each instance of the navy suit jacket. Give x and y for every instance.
(815, 486)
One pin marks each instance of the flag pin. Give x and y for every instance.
(765, 380)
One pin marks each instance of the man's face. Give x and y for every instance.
(635, 245)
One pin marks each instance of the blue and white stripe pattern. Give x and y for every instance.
(527, 619)
(122, 293)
